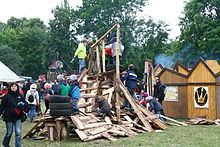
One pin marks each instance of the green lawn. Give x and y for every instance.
(190, 136)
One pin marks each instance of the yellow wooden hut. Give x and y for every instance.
(201, 92)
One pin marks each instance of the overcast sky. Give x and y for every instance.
(166, 10)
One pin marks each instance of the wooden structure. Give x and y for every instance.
(198, 91)
(108, 85)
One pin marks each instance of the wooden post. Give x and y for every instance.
(103, 55)
(98, 58)
(118, 72)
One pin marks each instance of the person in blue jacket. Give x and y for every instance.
(74, 93)
(131, 83)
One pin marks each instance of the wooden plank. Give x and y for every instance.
(94, 125)
(170, 119)
(133, 104)
(134, 123)
(121, 133)
(90, 88)
(93, 137)
(37, 126)
(103, 56)
(108, 136)
(110, 90)
(81, 134)
(98, 58)
(77, 122)
(108, 120)
(82, 75)
(97, 130)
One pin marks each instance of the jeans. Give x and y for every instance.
(9, 131)
(159, 113)
(127, 105)
(81, 65)
(100, 112)
(75, 105)
(31, 112)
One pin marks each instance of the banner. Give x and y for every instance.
(201, 97)
(171, 93)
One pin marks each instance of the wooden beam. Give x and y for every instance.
(178, 122)
(133, 104)
(98, 58)
(90, 64)
(104, 36)
(103, 56)
(82, 75)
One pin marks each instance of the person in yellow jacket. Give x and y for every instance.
(81, 54)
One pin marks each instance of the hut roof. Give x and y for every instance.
(213, 65)
(172, 71)
(181, 65)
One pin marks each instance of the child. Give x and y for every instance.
(104, 107)
(74, 93)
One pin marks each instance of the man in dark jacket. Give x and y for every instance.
(104, 107)
(131, 83)
(155, 106)
(159, 90)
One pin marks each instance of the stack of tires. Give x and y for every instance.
(60, 105)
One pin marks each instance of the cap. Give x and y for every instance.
(73, 77)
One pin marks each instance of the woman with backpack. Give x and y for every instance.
(32, 97)
(11, 109)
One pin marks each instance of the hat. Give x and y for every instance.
(60, 77)
(33, 86)
(145, 94)
(157, 78)
(48, 86)
(148, 98)
(73, 77)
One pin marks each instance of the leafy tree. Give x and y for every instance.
(61, 39)
(11, 58)
(200, 30)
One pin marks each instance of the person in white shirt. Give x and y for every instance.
(32, 97)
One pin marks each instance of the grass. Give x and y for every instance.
(189, 136)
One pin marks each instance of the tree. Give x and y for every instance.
(11, 58)
(61, 39)
(200, 30)
(28, 38)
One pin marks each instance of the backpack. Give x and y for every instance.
(65, 90)
(31, 98)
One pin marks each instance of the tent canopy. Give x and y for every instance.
(7, 75)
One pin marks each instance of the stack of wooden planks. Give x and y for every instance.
(89, 128)
(203, 121)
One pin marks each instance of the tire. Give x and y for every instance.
(59, 99)
(56, 106)
(61, 112)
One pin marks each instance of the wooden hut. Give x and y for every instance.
(198, 92)
(175, 102)
(202, 90)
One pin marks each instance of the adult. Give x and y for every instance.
(26, 87)
(81, 54)
(159, 90)
(74, 93)
(32, 97)
(12, 114)
(113, 41)
(131, 82)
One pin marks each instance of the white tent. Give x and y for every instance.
(7, 75)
